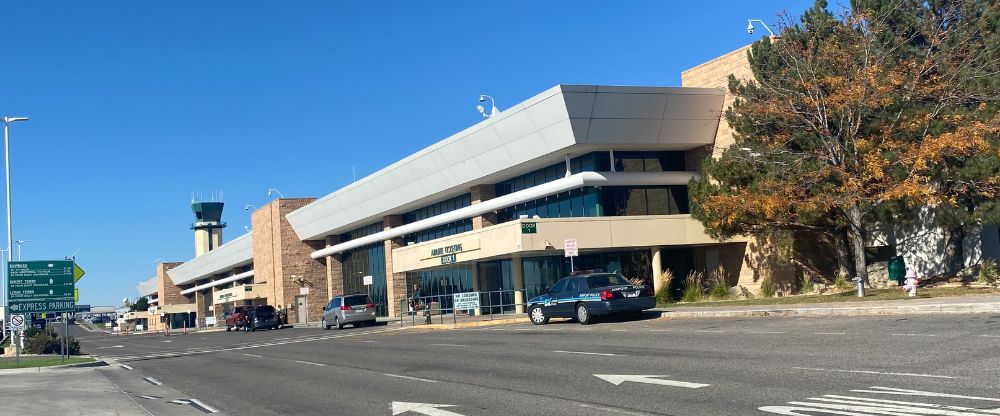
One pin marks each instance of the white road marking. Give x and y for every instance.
(866, 406)
(661, 330)
(251, 355)
(428, 409)
(311, 363)
(990, 336)
(829, 333)
(710, 330)
(874, 372)
(766, 332)
(914, 335)
(609, 410)
(618, 379)
(588, 353)
(619, 330)
(410, 378)
(202, 405)
(906, 392)
(126, 366)
(153, 381)
(449, 345)
(294, 340)
(112, 346)
(166, 341)
(365, 340)
(148, 397)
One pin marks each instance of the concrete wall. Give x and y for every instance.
(168, 293)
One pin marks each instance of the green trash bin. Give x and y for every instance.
(897, 269)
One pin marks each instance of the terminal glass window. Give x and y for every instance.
(496, 286)
(591, 162)
(647, 200)
(439, 284)
(364, 261)
(541, 273)
(650, 161)
(439, 208)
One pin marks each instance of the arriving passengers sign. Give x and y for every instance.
(41, 286)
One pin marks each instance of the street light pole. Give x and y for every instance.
(10, 238)
(19, 244)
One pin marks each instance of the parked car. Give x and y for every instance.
(587, 296)
(262, 317)
(236, 318)
(356, 310)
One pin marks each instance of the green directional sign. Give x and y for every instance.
(41, 286)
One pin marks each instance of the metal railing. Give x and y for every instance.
(491, 303)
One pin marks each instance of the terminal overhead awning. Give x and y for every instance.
(229, 279)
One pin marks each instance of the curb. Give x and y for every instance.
(473, 324)
(96, 363)
(846, 311)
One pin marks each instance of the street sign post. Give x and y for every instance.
(41, 286)
(571, 250)
(17, 323)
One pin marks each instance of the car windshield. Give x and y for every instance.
(602, 280)
(356, 300)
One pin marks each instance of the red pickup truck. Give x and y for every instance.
(237, 318)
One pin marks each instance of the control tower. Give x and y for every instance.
(207, 226)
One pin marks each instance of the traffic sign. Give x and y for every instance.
(41, 286)
(17, 322)
(77, 273)
(570, 248)
(367, 280)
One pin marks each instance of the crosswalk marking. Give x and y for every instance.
(832, 404)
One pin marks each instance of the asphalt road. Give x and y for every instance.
(941, 364)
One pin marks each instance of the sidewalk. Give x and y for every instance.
(63, 391)
(943, 305)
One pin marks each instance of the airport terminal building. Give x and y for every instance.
(485, 210)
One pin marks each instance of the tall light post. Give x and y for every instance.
(19, 244)
(10, 238)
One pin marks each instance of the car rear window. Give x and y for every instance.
(356, 300)
(602, 280)
(265, 310)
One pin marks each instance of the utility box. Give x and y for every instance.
(897, 269)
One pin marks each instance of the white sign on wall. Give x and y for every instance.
(209, 321)
(570, 248)
(467, 300)
(367, 280)
(303, 291)
(140, 328)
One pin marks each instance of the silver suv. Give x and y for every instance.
(356, 310)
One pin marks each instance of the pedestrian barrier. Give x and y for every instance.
(484, 304)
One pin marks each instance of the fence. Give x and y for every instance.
(491, 304)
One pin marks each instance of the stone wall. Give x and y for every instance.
(167, 292)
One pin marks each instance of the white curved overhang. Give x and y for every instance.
(546, 189)
(147, 287)
(152, 300)
(236, 253)
(563, 120)
(233, 278)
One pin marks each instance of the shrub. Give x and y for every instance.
(988, 273)
(48, 342)
(840, 282)
(692, 286)
(767, 287)
(806, 285)
(720, 287)
(666, 279)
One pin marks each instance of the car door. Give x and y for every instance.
(551, 305)
(568, 297)
(328, 311)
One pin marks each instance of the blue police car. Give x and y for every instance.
(586, 296)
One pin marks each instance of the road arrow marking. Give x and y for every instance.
(422, 408)
(617, 379)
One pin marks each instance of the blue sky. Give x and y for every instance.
(134, 105)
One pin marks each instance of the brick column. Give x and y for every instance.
(396, 287)
(334, 270)
(482, 193)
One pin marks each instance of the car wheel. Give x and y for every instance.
(325, 326)
(229, 328)
(537, 315)
(583, 315)
(274, 327)
(337, 323)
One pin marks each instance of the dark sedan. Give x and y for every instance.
(587, 296)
